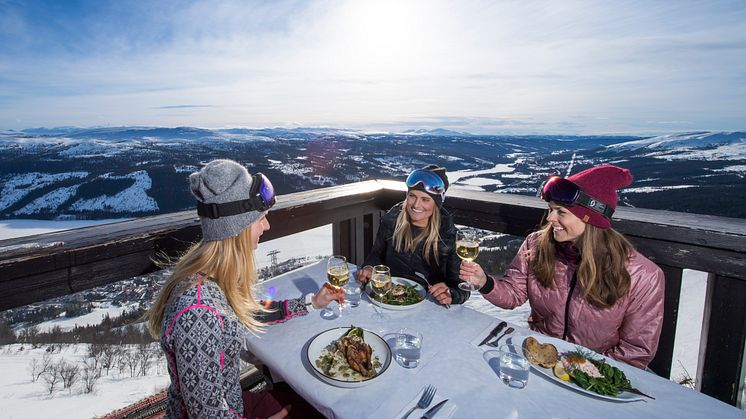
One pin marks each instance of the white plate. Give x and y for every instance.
(563, 347)
(323, 339)
(400, 281)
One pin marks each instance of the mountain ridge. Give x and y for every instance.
(132, 171)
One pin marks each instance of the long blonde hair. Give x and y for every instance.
(404, 241)
(602, 272)
(229, 263)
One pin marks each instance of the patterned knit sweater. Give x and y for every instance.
(202, 339)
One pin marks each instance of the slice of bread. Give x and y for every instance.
(543, 354)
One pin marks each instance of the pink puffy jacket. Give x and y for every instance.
(627, 331)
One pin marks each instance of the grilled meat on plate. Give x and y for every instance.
(358, 354)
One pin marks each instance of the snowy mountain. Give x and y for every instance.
(115, 172)
(692, 146)
(436, 132)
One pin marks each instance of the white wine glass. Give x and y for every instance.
(337, 274)
(467, 248)
(380, 284)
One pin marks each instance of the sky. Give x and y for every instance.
(485, 67)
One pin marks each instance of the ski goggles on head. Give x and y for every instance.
(432, 183)
(261, 198)
(565, 192)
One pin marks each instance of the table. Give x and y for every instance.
(450, 362)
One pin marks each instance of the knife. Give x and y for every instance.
(447, 306)
(494, 332)
(433, 410)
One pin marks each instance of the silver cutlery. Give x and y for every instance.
(507, 332)
(494, 332)
(447, 306)
(433, 410)
(425, 399)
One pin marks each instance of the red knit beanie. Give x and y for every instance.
(601, 183)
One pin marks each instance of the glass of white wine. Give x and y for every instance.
(467, 248)
(380, 283)
(337, 274)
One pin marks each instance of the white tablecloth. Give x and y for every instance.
(453, 364)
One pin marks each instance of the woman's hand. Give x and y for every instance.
(326, 295)
(472, 272)
(364, 274)
(441, 293)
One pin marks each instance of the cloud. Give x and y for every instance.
(368, 63)
(183, 106)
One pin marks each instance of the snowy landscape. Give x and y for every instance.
(73, 181)
(107, 107)
(123, 172)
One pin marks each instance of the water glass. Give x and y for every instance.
(352, 293)
(514, 366)
(408, 348)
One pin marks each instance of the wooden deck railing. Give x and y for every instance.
(37, 268)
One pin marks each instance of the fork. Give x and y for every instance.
(424, 278)
(507, 332)
(424, 402)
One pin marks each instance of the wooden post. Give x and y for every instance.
(661, 364)
(720, 369)
(353, 237)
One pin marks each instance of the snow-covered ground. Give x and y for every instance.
(91, 319)
(314, 242)
(22, 398)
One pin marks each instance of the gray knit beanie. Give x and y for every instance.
(222, 181)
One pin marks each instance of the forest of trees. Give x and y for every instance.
(126, 328)
(56, 371)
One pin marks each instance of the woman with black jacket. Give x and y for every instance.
(416, 238)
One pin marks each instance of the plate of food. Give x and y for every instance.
(581, 369)
(405, 294)
(348, 356)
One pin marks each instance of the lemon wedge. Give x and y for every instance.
(560, 372)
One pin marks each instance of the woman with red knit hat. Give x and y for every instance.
(585, 282)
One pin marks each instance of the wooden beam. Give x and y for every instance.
(37, 268)
(720, 369)
(661, 364)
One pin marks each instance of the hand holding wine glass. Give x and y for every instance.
(467, 248)
(338, 273)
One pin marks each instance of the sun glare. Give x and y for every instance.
(383, 39)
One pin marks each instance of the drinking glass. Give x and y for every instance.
(337, 274)
(352, 293)
(408, 348)
(514, 365)
(467, 248)
(380, 284)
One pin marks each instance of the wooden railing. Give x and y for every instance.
(37, 268)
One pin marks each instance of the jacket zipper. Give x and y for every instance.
(573, 281)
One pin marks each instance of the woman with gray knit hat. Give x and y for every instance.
(416, 238)
(202, 311)
(586, 283)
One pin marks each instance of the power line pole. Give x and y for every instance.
(273, 254)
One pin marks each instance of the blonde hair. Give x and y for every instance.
(405, 242)
(602, 272)
(230, 264)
